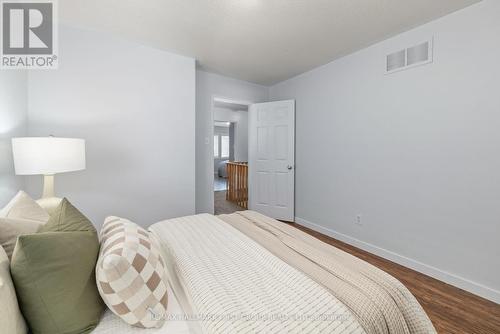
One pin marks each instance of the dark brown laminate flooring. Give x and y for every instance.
(451, 309)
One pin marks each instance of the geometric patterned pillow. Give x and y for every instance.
(130, 274)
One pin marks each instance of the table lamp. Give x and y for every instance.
(48, 156)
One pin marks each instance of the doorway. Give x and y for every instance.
(230, 155)
(253, 157)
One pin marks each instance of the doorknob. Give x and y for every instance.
(289, 167)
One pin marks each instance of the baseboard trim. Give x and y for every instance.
(459, 282)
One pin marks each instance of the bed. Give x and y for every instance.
(248, 273)
(177, 323)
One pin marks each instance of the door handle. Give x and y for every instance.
(289, 167)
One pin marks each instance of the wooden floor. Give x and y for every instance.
(451, 310)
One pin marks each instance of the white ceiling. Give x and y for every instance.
(261, 41)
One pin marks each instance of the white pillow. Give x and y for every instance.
(11, 319)
(24, 207)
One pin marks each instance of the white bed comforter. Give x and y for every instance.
(231, 284)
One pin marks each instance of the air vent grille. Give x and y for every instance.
(410, 57)
(396, 60)
(417, 54)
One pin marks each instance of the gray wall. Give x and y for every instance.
(416, 153)
(208, 86)
(13, 112)
(135, 107)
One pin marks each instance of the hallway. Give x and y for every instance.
(222, 206)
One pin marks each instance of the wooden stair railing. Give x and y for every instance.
(237, 183)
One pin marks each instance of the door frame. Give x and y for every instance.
(210, 166)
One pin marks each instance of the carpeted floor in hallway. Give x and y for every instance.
(222, 206)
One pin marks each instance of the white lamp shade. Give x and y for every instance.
(48, 155)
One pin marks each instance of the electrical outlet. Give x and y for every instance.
(359, 220)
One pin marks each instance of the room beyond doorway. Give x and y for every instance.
(230, 152)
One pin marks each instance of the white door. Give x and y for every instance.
(271, 159)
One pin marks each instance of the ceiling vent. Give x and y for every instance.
(408, 58)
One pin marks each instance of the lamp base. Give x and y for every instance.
(48, 186)
(49, 204)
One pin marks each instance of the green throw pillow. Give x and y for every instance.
(67, 218)
(54, 275)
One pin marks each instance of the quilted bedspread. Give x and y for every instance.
(229, 283)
